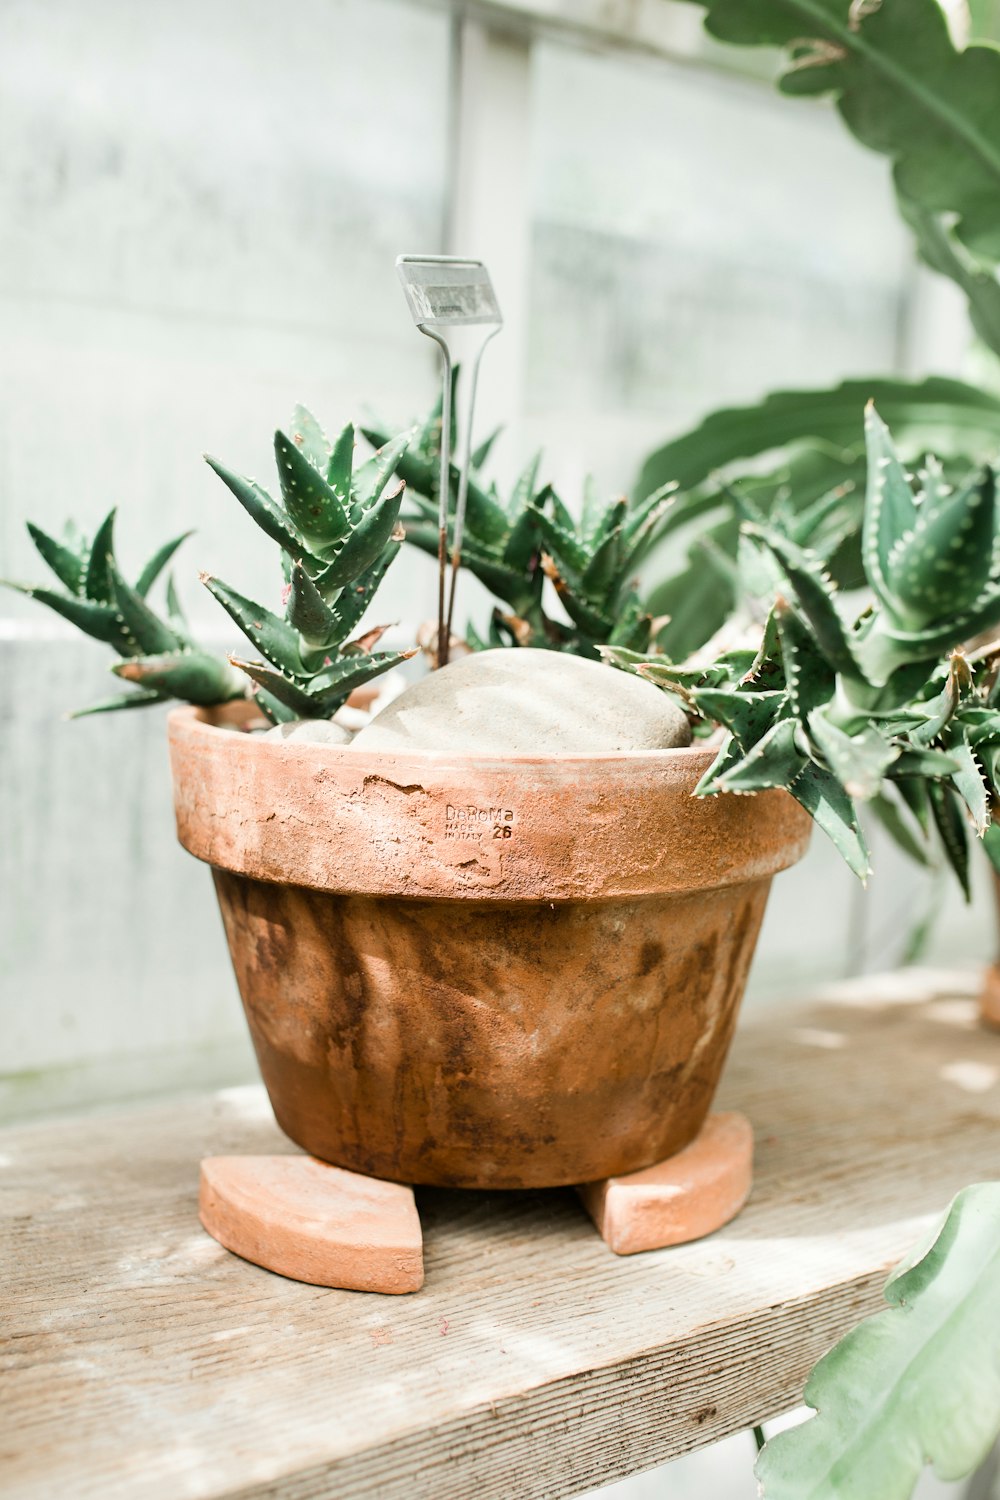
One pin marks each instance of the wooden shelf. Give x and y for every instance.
(138, 1359)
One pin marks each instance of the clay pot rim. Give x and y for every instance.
(203, 723)
(594, 826)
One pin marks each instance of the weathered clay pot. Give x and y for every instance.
(511, 972)
(989, 995)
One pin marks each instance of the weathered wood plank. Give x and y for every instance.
(140, 1360)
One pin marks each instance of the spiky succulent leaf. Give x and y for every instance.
(291, 694)
(340, 466)
(774, 761)
(273, 636)
(334, 686)
(730, 754)
(97, 620)
(570, 555)
(175, 613)
(192, 676)
(337, 543)
(315, 509)
(98, 583)
(888, 814)
(886, 650)
(991, 843)
(525, 488)
(933, 715)
(747, 715)
(510, 584)
(141, 698)
(588, 618)
(158, 562)
(808, 678)
(832, 810)
(948, 554)
(308, 614)
(563, 516)
(64, 562)
(485, 517)
(633, 625)
(604, 568)
(148, 634)
(521, 548)
(125, 620)
(890, 510)
(261, 508)
(278, 713)
(968, 781)
(950, 823)
(358, 595)
(816, 596)
(309, 437)
(370, 480)
(921, 763)
(368, 538)
(859, 761)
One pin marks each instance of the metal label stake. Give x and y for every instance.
(446, 292)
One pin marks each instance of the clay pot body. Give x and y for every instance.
(519, 972)
(989, 995)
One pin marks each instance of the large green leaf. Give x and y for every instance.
(901, 88)
(939, 249)
(918, 1382)
(939, 415)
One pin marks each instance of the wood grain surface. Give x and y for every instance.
(138, 1359)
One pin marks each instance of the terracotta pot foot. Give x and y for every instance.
(313, 1222)
(989, 996)
(683, 1198)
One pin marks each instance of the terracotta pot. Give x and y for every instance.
(989, 995)
(475, 972)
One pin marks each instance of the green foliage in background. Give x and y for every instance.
(811, 444)
(917, 1383)
(905, 91)
(157, 651)
(337, 528)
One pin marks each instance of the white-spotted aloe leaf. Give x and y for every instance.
(916, 1383)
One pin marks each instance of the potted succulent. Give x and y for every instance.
(476, 952)
(451, 940)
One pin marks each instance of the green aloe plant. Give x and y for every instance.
(886, 709)
(592, 564)
(337, 527)
(157, 652)
(501, 545)
(513, 546)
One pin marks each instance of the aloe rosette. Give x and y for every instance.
(157, 651)
(514, 544)
(338, 530)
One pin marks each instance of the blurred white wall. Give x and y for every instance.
(200, 207)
